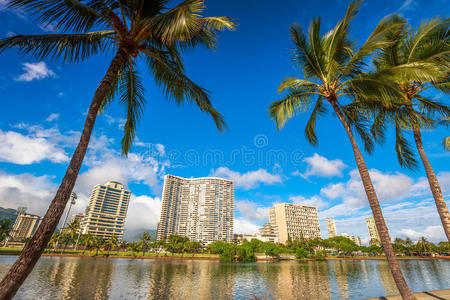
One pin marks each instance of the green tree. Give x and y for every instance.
(112, 243)
(301, 253)
(89, 241)
(416, 61)
(156, 31)
(5, 229)
(144, 242)
(332, 70)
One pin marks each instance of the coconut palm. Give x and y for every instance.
(417, 61)
(134, 30)
(112, 243)
(144, 242)
(332, 70)
(89, 241)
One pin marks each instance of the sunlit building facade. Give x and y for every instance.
(24, 227)
(373, 232)
(294, 221)
(201, 209)
(331, 227)
(107, 210)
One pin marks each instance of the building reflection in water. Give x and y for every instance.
(99, 278)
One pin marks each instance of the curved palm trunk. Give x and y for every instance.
(434, 185)
(33, 250)
(376, 210)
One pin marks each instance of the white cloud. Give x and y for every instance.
(314, 201)
(408, 4)
(27, 149)
(432, 233)
(322, 167)
(249, 210)
(35, 71)
(143, 213)
(242, 225)
(249, 180)
(52, 117)
(33, 192)
(389, 187)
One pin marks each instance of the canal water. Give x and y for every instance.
(102, 278)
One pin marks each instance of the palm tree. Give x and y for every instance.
(98, 244)
(112, 243)
(417, 61)
(332, 68)
(155, 31)
(144, 242)
(70, 233)
(89, 241)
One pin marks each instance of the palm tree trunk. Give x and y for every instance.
(434, 185)
(376, 210)
(31, 253)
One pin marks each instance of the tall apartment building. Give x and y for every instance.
(77, 218)
(198, 208)
(107, 210)
(373, 232)
(294, 221)
(331, 227)
(24, 226)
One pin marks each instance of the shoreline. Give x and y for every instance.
(213, 257)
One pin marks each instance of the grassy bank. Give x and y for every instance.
(207, 256)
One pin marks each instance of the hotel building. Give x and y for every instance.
(373, 232)
(331, 227)
(294, 221)
(107, 210)
(198, 208)
(24, 227)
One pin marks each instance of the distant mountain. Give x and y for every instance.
(133, 235)
(8, 214)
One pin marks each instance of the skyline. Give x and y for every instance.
(324, 176)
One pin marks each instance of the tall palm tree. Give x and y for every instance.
(144, 242)
(417, 61)
(332, 68)
(134, 30)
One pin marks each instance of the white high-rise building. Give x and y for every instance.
(107, 210)
(331, 227)
(373, 232)
(201, 209)
(294, 221)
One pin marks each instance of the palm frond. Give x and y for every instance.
(361, 125)
(405, 154)
(338, 46)
(131, 90)
(168, 73)
(184, 26)
(378, 39)
(310, 129)
(292, 83)
(296, 101)
(71, 47)
(430, 39)
(63, 14)
(303, 55)
(433, 108)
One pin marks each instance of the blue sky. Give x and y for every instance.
(44, 105)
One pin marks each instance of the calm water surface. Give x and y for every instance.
(100, 278)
